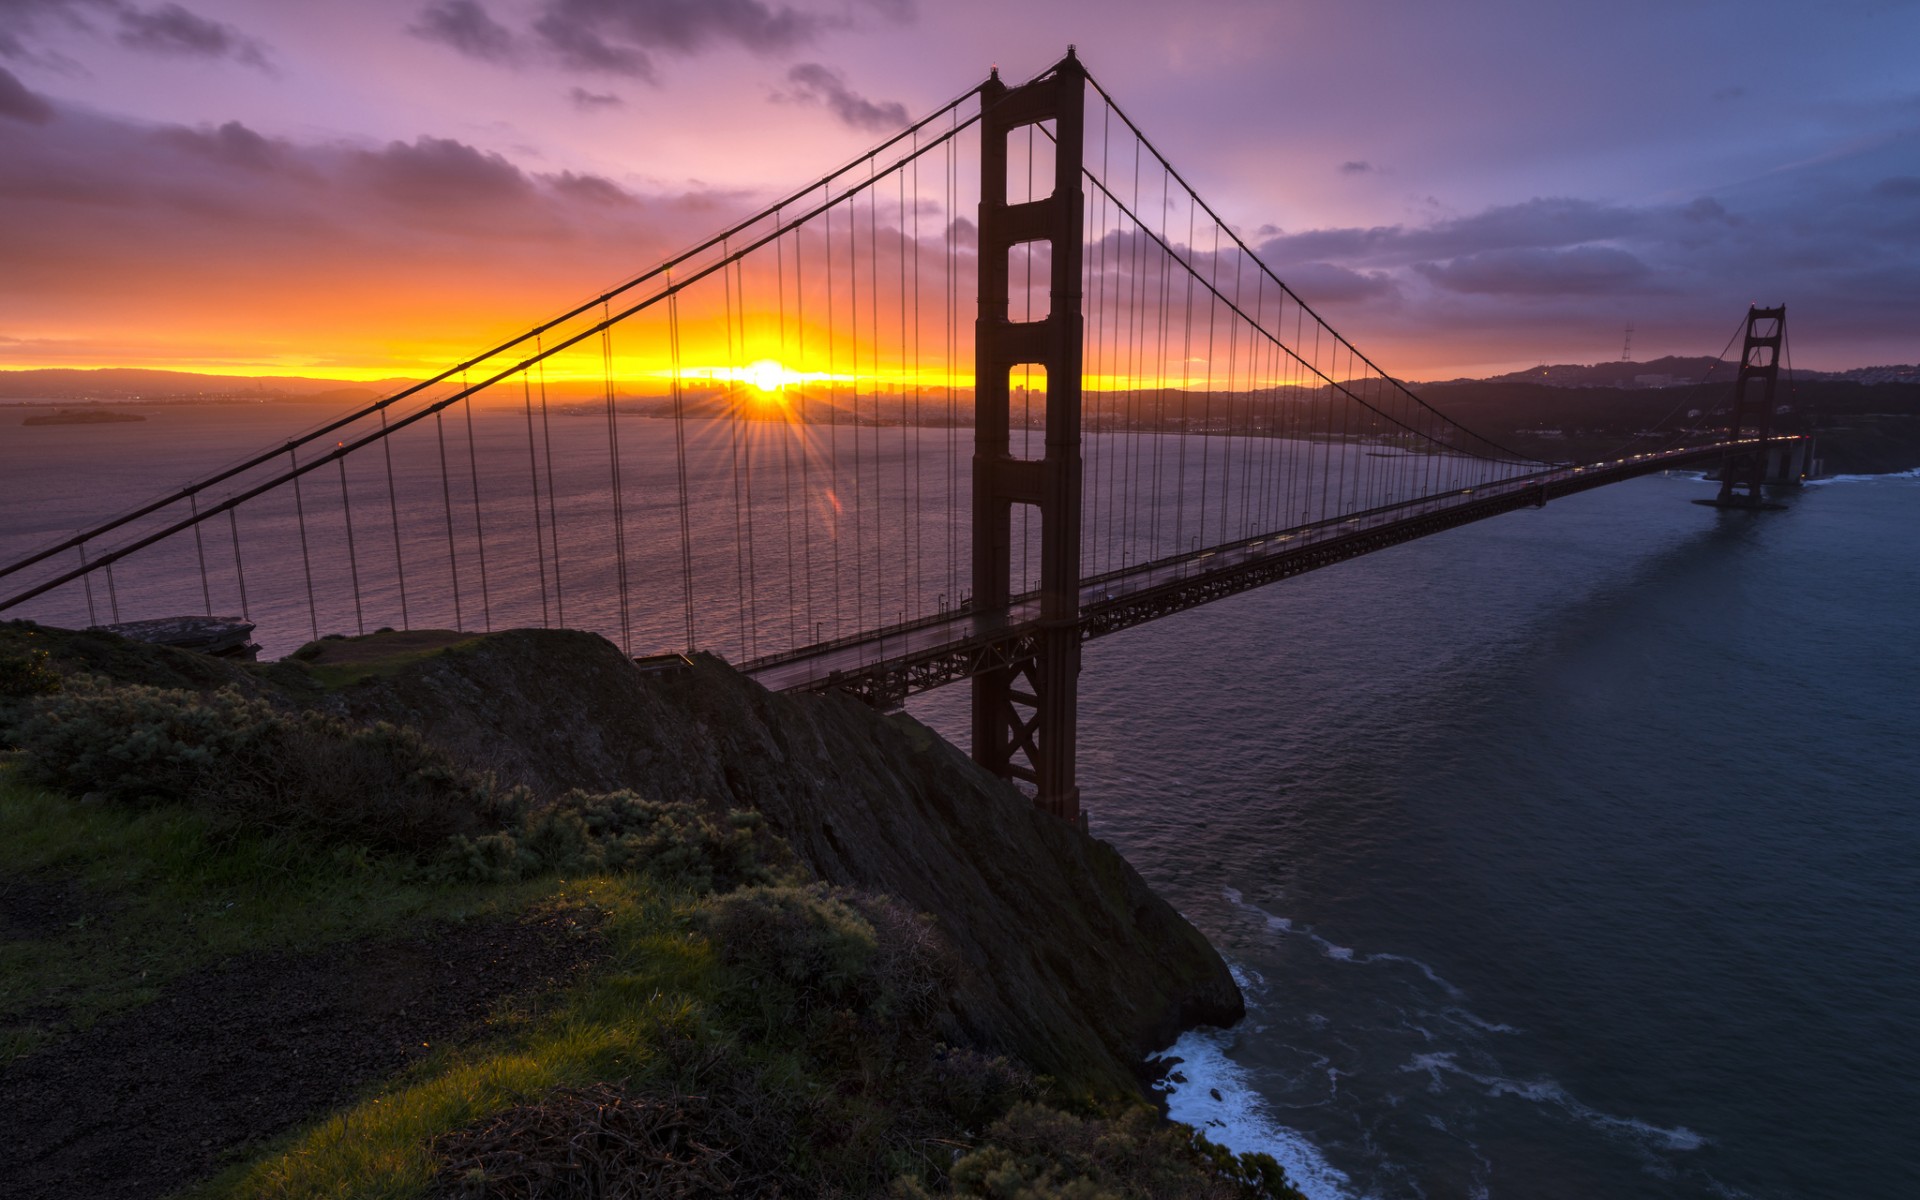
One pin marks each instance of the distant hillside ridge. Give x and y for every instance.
(1673, 371)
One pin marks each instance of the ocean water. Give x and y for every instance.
(1571, 854)
(1575, 853)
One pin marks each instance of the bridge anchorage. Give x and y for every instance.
(1185, 428)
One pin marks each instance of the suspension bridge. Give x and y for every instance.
(1003, 384)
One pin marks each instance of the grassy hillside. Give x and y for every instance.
(252, 947)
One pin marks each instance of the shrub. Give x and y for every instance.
(597, 1141)
(25, 673)
(1038, 1153)
(678, 842)
(800, 957)
(381, 785)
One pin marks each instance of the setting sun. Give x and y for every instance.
(768, 375)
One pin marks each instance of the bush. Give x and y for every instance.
(1038, 1153)
(381, 785)
(27, 673)
(678, 842)
(798, 958)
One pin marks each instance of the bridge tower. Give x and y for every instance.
(1744, 472)
(1024, 713)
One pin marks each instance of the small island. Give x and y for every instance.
(82, 416)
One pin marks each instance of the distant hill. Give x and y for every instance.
(1670, 372)
(133, 383)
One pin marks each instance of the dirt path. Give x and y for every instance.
(143, 1105)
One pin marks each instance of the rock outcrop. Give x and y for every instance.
(1073, 963)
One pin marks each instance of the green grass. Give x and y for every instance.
(338, 662)
(653, 991)
(164, 891)
(167, 890)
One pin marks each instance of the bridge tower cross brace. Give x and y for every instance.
(1024, 714)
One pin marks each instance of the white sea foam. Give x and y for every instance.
(1217, 1099)
(1913, 474)
(1341, 953)
(1481, 1022)
(1546, 1091)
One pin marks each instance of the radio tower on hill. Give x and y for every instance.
(1626, 347)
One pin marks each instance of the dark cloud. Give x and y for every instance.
(19, 104)
(168, 30)
(1326, 283)
(1707, 209)
(466, 26)
(172, 30)
(813, 83)
(1579, 271)
(686, 26)
(622, 37)
(1535, 224)
(20, 18)
(435, 172)
(232, 144)
(587, 101)
(1898, 187)
(1355, 167)
(581, 48)
(593, 189)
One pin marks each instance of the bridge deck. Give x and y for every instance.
(886, 665)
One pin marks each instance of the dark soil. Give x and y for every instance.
(37, 908)
(146, 1104)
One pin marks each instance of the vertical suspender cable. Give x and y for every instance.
(306, 562)
(805, 427)
(533, 481)
(86, 580)
(553, 499)
(613, 460)
(853, 324)
(479, 534)
(785, 429)
(753, 575)
(239, 568)
(731, 414)
(200, 552)
(446, 495)
(353, 558)
(680, 458)
(909, 441)
(393, 507)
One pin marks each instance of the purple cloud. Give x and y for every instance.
(587, 101)
(172, 30)
(466, 26)
(433, 171)
(169, 30)
(813, 83)
(1580, 271)
(19, 104)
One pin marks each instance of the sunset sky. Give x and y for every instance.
(363, 189)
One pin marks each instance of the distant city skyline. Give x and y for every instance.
(364, 190)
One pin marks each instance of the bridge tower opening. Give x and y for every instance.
(1024, 713)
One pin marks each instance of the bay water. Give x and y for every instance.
(1575, 853)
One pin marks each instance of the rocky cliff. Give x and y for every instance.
(1071, 962)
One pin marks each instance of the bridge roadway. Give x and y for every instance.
(884, 666)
